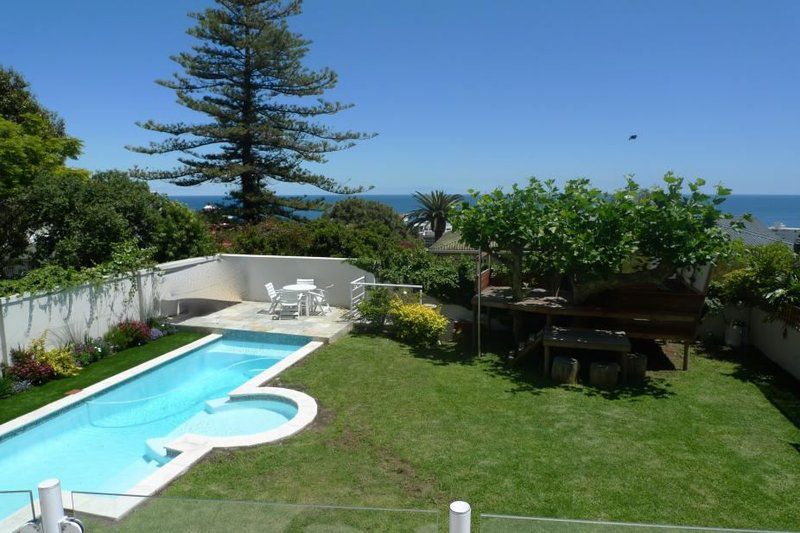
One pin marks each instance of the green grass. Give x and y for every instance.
(416, 429)
(36, 397)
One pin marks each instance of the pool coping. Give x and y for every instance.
(189, 448)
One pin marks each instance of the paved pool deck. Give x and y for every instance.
(254, 316)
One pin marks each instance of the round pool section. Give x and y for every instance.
(226, 416)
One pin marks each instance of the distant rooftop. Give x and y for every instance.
(755, 232)
(450, 243)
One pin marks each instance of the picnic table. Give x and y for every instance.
(642, 312)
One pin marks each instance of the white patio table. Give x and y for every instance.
(304, 289)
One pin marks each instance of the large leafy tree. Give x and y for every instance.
(363, 213)
(78, 222)
(434, 210)
(246, 74)
(17, 100)
(594, 239)
(33, 142)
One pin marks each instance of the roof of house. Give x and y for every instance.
(789, 235)
(754, 232)
(450, 243)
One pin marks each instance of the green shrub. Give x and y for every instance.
(450, 279)
(61, 361)
(375, 307)
(127, 335)
(766, 276)
(417, 323)
(6, 386)
(118, 338)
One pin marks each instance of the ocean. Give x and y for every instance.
(768, 208)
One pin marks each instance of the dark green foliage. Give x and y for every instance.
(178, 232)
(449, 278)
(320, 238)
(368, 214)
(87, 218)
(761, 276)
(6, 386)
(375, 307)
(17, 101)
(246, 74)
(272, 238)
(435, 208)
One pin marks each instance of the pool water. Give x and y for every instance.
(113, 440)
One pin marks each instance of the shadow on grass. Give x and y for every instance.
(752, 366)
(527, 376)
(529, 379)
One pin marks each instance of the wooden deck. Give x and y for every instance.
(641, 312)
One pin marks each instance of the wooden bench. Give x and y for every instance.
(584, 339)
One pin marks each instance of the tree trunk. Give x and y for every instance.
(438, 228)
(516, 274)
(251, 188)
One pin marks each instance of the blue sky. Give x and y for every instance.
(465, 94)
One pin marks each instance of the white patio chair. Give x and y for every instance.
(291, 304)
(319, 299)
(305, 281)
(274, 298)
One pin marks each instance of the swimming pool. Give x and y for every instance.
(112, 440)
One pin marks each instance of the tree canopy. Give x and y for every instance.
(583, 234)
(32, 139)
(246, 74)
(434, 209)
(77, 222)
(362, 213)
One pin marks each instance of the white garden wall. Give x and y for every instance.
(251, 272)
(68, 315)
(776, 340)
(91, 310)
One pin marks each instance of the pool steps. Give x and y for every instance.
(155, 449)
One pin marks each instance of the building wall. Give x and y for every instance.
(69, 315)
(91, 310)
(776, 340)
(779, 342)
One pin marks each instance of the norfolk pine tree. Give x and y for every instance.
(247, 75)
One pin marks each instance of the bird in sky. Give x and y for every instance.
(633, 137)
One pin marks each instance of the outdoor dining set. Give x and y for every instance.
(302, 298)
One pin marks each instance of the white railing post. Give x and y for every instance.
(51, 505)
(460, 517)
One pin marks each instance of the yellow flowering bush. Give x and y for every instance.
(416, 323)
(60, 360)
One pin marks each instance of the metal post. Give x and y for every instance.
(460, 517)
(480, 289)
(51, 505)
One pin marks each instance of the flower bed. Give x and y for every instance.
(35, 365)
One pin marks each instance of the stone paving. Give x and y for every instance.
(254, 316)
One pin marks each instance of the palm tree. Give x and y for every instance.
(435, 209)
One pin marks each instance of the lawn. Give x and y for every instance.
(36, 397)
(407, 428)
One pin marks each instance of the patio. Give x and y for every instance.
(254, 316)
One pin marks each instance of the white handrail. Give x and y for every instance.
(396, 285)
(358, 289)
